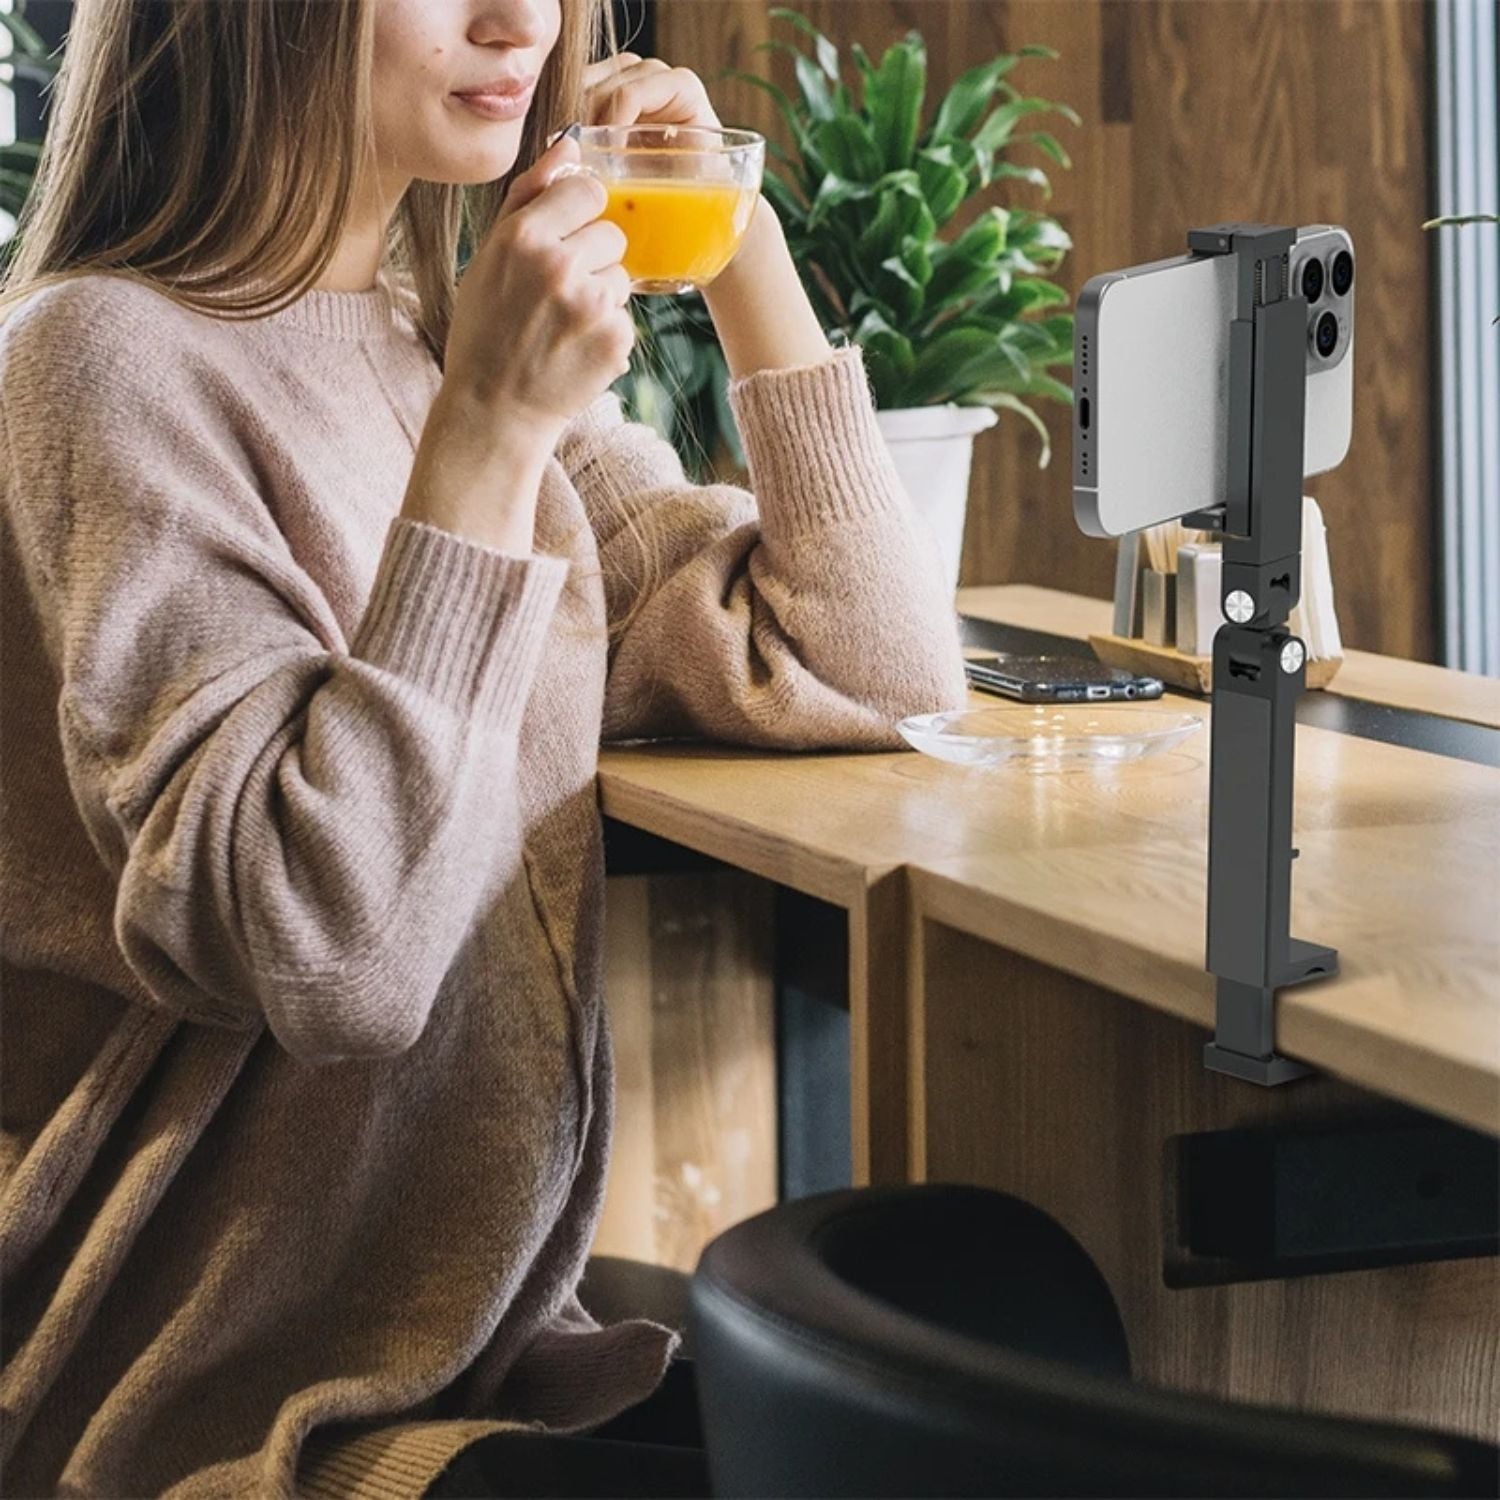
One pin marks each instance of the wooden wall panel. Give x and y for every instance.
(1193, 112)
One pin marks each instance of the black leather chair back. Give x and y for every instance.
(946, 1340)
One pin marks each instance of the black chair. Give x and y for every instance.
(616, 1287)
(951, 1340)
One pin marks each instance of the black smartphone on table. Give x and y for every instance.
(1056, 679)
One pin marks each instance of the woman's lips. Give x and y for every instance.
(510, 105)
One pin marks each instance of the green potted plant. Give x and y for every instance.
(953, 328)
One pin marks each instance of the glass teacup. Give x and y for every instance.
(683, 194)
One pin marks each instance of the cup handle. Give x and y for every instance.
(572, 169)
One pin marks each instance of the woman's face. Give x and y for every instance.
(445, 79)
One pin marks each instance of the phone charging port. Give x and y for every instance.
(1098, 692)
(1083, 413)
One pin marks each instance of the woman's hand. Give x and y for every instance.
(629, 90)
(760, 311)
(541, 322)
(541, 326)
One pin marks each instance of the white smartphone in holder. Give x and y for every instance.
(1151, 380)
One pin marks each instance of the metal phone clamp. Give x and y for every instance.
(1259, 666)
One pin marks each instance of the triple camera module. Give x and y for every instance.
(1323, 273)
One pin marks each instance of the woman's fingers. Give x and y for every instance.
(665, 96)
(596, 72)
(615, 280)
(627, 89)
(599, 245)
(538, 176)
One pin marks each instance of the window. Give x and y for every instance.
(1466, 180)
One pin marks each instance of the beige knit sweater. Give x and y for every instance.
(307, 1078)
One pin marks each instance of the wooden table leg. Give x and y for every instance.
(878, 1045)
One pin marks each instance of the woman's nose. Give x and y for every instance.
(521, 23)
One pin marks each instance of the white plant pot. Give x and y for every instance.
(933, 450)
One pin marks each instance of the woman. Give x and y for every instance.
(323, 583)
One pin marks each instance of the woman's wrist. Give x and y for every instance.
(478, 476)
(761, 313)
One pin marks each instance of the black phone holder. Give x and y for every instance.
(1259, 667)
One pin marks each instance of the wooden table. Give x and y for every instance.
(1028, 1002)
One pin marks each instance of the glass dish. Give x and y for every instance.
(1048, 737)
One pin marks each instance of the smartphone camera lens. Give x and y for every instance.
(1341, 274)
(1312, 280)
(1326, 335)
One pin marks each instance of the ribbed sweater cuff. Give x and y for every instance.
(396, 1462)
(462, 621)
(815, 450)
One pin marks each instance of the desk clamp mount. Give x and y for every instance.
(1259, 667)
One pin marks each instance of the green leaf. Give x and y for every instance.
(1014, 403)
(938, 363)
(814, 88)
(969, 263)
(945, 184)
(955, 279)
(967, 99)
(899, 288)
(889, 356)
(783, 104)
(1455, 219)
(1002, 366)
(828, 54)
(917, 259)
(1033, 175)
(875, 332)
(998, 128)
(1021, 296)
(901, 212)
(1039, 232)
(1045, 385)
(14, 187)
(781, 154)
(865, 301)
(1059, 327)
(833, 191)
(893, 99)
(985, 238)
(866, 69)
(847, 146)
(1034, 292)
(789, 210)
(28, 40)
(1049, 144)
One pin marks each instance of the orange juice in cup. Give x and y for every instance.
(678, 232)
(683, 194)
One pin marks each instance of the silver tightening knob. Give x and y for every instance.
(1293, 654)
(1239, 607)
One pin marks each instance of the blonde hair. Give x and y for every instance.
(262, 99)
